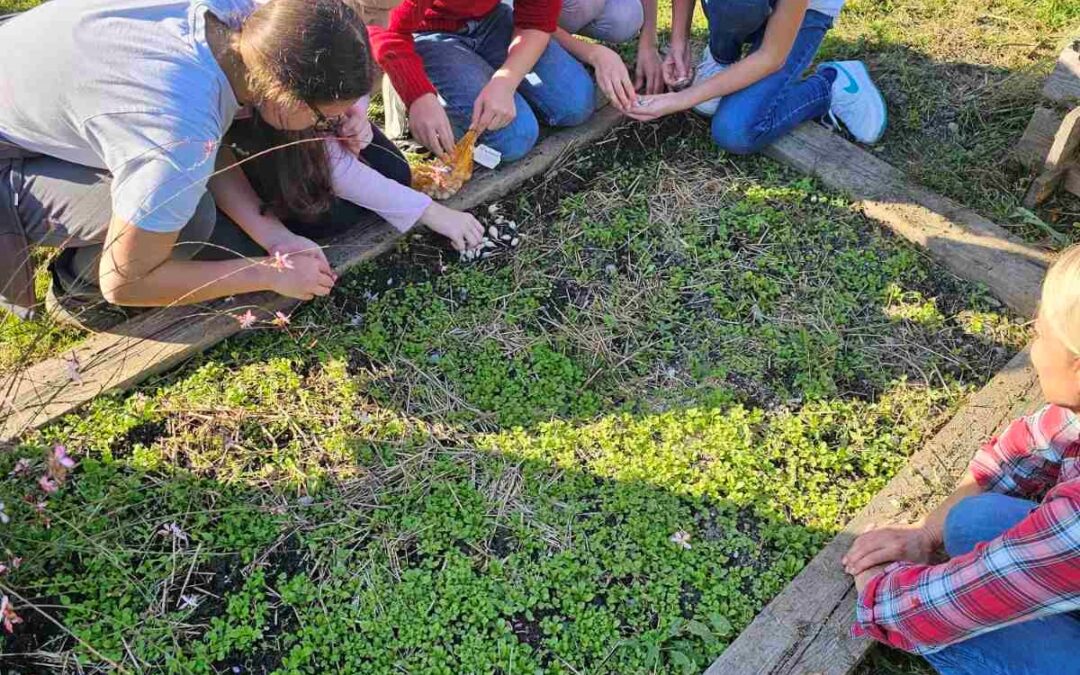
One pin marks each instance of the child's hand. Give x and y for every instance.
(676, 67)
(355, 133)
(494, 107)
(429, 124)
(462, 229)
(881, 546)
(612, 77)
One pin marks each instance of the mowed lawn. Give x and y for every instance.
(601, 453)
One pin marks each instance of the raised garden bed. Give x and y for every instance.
(605, 452)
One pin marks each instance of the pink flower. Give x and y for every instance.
(280, 319)
(72, 365)
(8, 615)
(47, 485)
(281, 261)
(61, 457)
(247, 319)
(22, 468)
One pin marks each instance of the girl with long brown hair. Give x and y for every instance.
(112, 120)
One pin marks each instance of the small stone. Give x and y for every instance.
(954, 127)
(306, 500)
(493, 232)
(390, 281)
(611, 269)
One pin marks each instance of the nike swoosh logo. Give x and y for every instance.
(852, 86)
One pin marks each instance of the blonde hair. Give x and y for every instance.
(1060, 306)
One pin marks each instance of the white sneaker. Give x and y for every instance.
(706, 69)
(856, 101)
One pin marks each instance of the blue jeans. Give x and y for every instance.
(751, 118)
(558, 92)
(1039, 647)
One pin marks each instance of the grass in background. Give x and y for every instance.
(603, 453)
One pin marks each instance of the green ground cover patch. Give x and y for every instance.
(960, 79)
(604, 452)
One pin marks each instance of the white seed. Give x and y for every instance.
(506, 237)
(512, 225)
(515, 241)
(493, 208)
(493, 232)
(499, 220)
(485, 254)
(489, 244)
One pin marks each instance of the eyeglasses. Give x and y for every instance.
(324, 124)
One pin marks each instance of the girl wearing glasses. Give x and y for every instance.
(113, 123)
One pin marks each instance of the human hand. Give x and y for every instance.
(293, 245)
(494, 107)
(649, 70)
(648, 108)
(881, 546)
(300, 276)
(462, 229)
(864, 577)
(429, 124)
(612, 77)
(676, 67)
(355, 132)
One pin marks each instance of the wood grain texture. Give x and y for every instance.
(806, 628)
(160, 339)
(1063, 85)
(1034, 146)
(968, 244)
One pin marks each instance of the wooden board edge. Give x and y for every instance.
(965, 242)
(787, 635)
(49, 385)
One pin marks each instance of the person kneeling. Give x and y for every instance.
(112, 120)
(478, 64)
(1006, 599)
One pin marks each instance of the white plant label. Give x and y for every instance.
(487, 156)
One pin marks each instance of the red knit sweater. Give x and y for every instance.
(396, 54)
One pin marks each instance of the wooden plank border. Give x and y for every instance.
(806, 628)
(966, 243)
(162, 338)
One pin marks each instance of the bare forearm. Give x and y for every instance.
(183, 282)
(734, 78)
(237, 199)
(526, 46)
(682, 14)
(578, 48)
(934, 524)
(648, 27)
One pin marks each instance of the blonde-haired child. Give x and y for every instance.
(1005, 601)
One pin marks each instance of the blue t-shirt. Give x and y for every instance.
(129, 86)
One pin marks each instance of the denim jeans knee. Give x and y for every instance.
(732, 24)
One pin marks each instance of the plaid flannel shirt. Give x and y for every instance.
(1030, 571)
